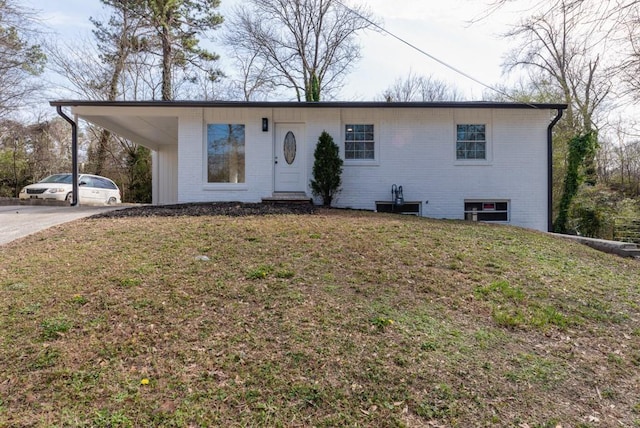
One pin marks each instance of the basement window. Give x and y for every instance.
(486, 210)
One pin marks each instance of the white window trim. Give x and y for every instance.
(206, 185)
(224, 187)
(488, 148)
(376, 144)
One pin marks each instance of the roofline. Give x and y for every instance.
(323, 104)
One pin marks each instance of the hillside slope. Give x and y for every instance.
(336, 318)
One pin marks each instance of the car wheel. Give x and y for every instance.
(68, 198)
(111, 201)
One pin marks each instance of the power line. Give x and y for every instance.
(423, 52)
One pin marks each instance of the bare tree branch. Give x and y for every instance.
(303, 45)
(420, 88)
(21, 57)
(558, 45)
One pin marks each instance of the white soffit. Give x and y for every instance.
(148, 131)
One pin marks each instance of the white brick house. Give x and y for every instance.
(475, 160)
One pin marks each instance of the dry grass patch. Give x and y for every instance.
(334, 319)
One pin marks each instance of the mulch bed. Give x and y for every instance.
(233, 209)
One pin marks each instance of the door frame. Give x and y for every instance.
(300, 158)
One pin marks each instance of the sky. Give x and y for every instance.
(439, 27)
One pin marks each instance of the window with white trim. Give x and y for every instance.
(471, 141)
(225, 153)
(486, 210)
(359, 142)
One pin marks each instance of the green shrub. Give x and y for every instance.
(592, 212)
(327, 169)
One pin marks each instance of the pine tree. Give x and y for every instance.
(177, 24)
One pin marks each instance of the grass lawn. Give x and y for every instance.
(331, 319)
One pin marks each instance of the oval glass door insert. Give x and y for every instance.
(290, 147)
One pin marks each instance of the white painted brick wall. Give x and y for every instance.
(415, 149)
(190, 152)
(165, 175)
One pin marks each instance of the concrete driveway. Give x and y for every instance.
(17, 221)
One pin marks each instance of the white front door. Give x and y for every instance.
(290, 174)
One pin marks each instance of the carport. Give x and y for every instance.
(141, 122)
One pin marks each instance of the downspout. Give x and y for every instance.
(74, 156)
(550, 170)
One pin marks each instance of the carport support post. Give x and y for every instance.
(74, 156)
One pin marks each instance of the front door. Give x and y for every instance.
(290, 174)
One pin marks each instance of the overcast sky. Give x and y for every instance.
(441, 28)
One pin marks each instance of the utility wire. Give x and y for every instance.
(425, 53)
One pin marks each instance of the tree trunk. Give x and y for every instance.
(118, 68)
(166, 64)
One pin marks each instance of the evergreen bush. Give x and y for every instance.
(327, 169)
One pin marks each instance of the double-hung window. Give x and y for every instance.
(359, 142)
(471, 142)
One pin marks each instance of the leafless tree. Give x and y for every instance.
(49, 147)
(421, 88)
(620, 160)
(21, 58)
(567, 48)
(77, 68)
(14, 161)
(611, 25)
(307, 46)
(30, 152)
(631, 64)
(254, 82)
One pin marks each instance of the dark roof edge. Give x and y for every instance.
(292, 104)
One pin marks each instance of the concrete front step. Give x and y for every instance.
(287, 198)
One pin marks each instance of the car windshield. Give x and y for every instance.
(57, 178)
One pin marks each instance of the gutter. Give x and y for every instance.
(550, 169)
(74, 156)
(311, 105)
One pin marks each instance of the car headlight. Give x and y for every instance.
(56, 190)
